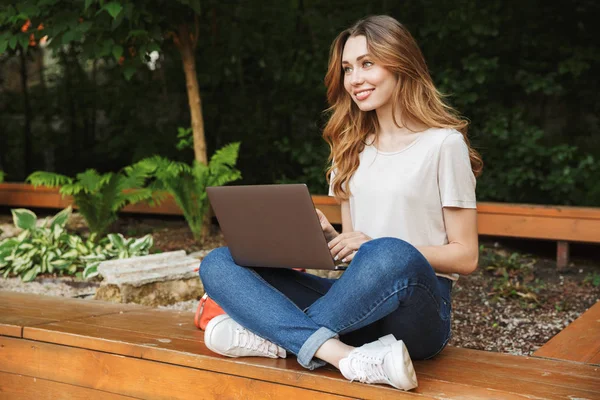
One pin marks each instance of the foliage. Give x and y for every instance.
(592, 279)
(49, 248)
(99, 196)
(523, 168)
(2, 176)
(187, 184)
(123, 30)
(261, 77)
(512, 277)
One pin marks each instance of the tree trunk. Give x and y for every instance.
(186, 48)
(48, 142)
(27, 113)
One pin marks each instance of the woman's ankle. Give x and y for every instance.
(332, 351)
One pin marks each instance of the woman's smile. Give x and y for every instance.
(363, 94)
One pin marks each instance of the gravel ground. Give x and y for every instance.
(510, 323)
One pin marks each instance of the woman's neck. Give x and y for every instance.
(388, 128)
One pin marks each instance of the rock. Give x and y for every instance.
(8, 231)
(157, 279)
(77, 223)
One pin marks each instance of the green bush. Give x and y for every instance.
(1, 176)
(187, 184)
(49, 248)
(519, 167)
(99, 197)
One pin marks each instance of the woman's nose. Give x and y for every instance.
(356, 78)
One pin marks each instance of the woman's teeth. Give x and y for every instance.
(364, 94)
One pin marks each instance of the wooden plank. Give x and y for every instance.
(580, 341)
(534, 377)
(539, 210)
(135, 377)
(25, 195)
(539, 227)
(18, 387)
(18, 310)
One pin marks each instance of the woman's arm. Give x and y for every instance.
(346, 218)
(461, 254)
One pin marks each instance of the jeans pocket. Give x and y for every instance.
(445, 308)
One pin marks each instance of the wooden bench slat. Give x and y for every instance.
(538, 227)
(18, 387)
(580, 341)
(134, 377)
(519, 363)
(126, 334)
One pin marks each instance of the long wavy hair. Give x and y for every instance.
(348, 127)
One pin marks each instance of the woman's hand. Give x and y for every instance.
(328, 230)
(344, 246)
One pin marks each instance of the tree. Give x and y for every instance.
(126, 30)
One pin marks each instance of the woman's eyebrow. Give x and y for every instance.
(357, 58)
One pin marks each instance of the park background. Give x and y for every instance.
(110, 88)
(525, 73)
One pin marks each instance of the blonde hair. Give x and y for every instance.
(394, 48)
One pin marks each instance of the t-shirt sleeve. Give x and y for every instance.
(456, 179)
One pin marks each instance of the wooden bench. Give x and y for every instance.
(54, 347)
(561, 223)
(580, 341)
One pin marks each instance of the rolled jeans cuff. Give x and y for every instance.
(310, 347)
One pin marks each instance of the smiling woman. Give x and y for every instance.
(404, 173)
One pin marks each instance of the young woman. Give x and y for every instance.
(404, 174)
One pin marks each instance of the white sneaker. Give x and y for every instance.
(226, 337)
(385, 360)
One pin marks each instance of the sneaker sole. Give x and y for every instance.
(405, 372)
(210, 327)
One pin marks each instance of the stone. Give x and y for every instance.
(157, 279)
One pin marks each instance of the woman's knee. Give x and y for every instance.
(394, 256)
(213, 266)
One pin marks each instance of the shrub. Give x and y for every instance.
(99, 197)
(187, 184)
(48, 248)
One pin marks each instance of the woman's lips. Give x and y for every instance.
(363, 94)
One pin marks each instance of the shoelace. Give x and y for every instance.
(248, 340)
(368, 368)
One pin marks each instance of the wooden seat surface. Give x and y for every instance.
(580, 341)
(93, 349)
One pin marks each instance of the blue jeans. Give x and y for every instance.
(389, 287)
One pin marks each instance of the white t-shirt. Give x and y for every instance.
(401, 194)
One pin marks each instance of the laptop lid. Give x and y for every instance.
(271, 226)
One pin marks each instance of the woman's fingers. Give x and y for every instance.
(345, 245)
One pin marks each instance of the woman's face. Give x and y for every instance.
(371, 86)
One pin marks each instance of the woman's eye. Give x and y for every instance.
(347, 70)
(367, 64)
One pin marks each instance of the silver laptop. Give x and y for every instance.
(271, 226)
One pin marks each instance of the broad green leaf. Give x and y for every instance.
(61, 218)
(84, 26)
(88, 3)
(23, 218)
(128, 71)
(12, 42)
(69, 36)
(117, 51)
(31, 274)
(113, 8)
(3, 45)
(91, 270)
(24, 42)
